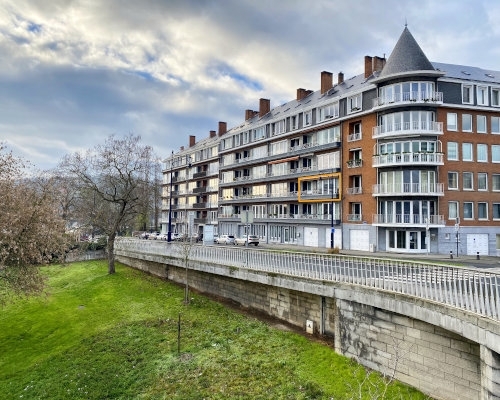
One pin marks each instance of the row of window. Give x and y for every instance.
(482, 95)
(467, 123)
(468, 181)
(468, 153)
(470, 209)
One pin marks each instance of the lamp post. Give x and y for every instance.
(169, 233)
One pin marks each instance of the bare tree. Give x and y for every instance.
(32, 231)
(113, 181)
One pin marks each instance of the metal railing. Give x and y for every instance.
(462, 288)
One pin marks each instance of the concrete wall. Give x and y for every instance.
(446, 353)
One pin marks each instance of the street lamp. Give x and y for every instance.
(169, 233)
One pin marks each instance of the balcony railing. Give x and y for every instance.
(355, 190)
(407, 128)
(354, 137)
(408, 189)
(354, 163)
(380, 160)
(354, 217)
(408, 219)
(409, 98)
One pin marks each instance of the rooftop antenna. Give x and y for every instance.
(406, 23)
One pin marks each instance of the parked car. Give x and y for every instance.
(252, 239)
(215, 238)
(225, 239)
(176, 236)
(154, 235)
(162, 236)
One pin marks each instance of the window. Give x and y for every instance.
(467, 152)
(294, 122)
(451, 122)
(495, 182)
(307, 118)
(329, 111)
(495, 97)
(452, 210)
(468, 210)
(467, 97)
(495, 153)
(495, 125)
(466, 123)
(482, 153)
(278, 127)
(481, 124)
(482, 95)
(496, 210)
(452, 151)
(482, 181)
(354, 103)
(453, 180)
(482, 210)
(467, 181)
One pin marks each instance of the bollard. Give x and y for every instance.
(477, 255)
(451, 254)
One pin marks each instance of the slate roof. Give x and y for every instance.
(406, 56)
(465, 72)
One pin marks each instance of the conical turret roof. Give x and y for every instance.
(405, 57)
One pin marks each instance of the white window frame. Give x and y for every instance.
(482, 118)
(453, 210)
(485, 208)
(495, 124)
(495, 100)
(294, 122)
(495, 186)
(464, 122)
(354, 103)
(466, 205)
(307, 118)
(455, 144)
(464, 146)
(482, 176)
(495, 148)
(455, 174)
(471, 180)
(482, 149)
(482, 95)
(470, 89)
(450, 125)
(494, 206)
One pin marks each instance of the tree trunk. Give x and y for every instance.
(111, 254)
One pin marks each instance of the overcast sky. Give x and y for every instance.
(73, 72)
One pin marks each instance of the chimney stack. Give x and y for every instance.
(192, 140)
(213, 134)
(326, 81)
(301, 93)
(368, 66)
(222, 128)
(249, 114)
(264, 107)
(377, 64)
(340, 78)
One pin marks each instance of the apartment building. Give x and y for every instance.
(404, 157)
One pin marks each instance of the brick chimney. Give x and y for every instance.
(301, 93)
(368, 66)
(222, 128)
(264, 107)
(340, 78)
(249, 114)
(213, 134)
(378, 63)
(192, 140)
(326, 81)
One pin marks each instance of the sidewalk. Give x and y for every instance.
(492, 263)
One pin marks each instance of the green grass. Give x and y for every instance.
(100, 336)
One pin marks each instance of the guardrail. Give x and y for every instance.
(463, 288)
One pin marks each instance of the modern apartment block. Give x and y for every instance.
(404, 157)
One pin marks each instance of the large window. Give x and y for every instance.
(495, 153)
(307, 118)
(482, 181)
(468, 210)
(279, 147)
(482, 95)
(481, 124)
(467, 152)
(329, 111)
(453, 180)
(482, 211)
(354, 103)
(330, 135)
(451, 122)
(452, 210)
(452, 151)
(467, 181)
(466, 122)
(482, 153)
(467, 94)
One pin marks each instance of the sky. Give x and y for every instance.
(74, 72)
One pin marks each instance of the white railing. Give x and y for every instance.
(430, 189)
(408, 159)
(407, 128)
(462, 288)
(409, 97)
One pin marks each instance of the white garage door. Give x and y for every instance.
(359, 239)
(477, 242)
(310, 236)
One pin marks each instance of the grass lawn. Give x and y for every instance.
(100, 336)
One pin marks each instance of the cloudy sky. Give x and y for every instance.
(73, 72)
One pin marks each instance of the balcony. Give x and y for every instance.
(355, 190)
(200, 205)
(422, 221)
(409, 98)
(318, 194)
(353, 137)
(408, 189)
(386, 160)
(414, 128)
(354, 217)
(201, 189)
(354, 163)
(201, 174)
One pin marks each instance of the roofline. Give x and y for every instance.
(405, 74)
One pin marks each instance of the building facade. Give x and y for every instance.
(404, 157)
